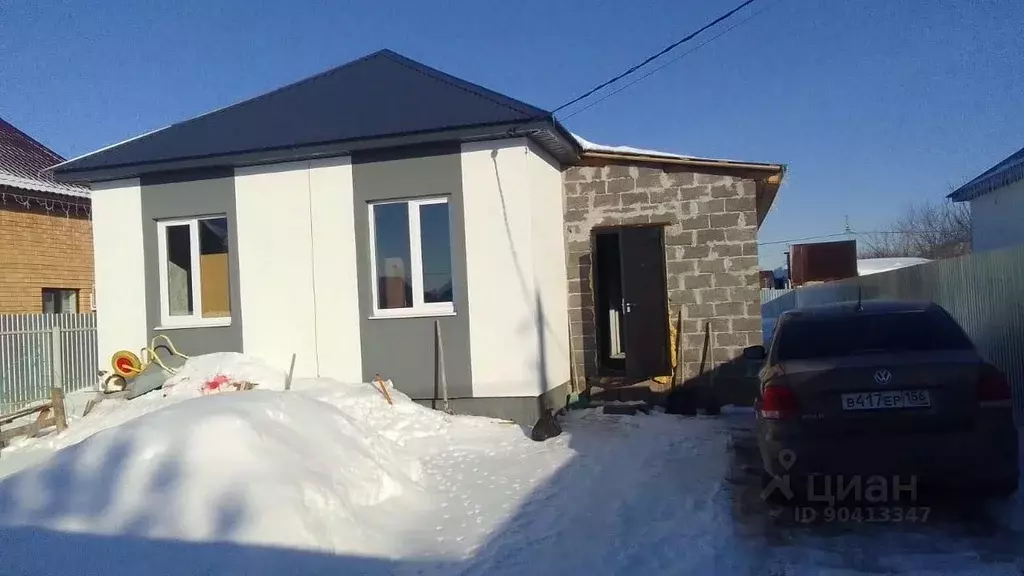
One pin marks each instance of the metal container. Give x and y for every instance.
(823, 261)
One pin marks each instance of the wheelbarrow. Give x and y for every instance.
(148, 370)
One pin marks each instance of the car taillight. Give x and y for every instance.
(993, 388)
(779, 402)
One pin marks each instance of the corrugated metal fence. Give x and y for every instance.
(983, 291)
(39, 351)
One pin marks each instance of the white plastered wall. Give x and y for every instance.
(996, 218)
(293, 220)
(550, 274)
(515, 264)
(334, 269)
(118, 259)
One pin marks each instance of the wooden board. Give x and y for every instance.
(213, 279)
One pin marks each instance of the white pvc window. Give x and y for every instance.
(194, 272)
(411, 258)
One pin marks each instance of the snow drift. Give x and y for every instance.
(205, 469)
(256, 467)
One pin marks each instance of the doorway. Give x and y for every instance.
(631, 302)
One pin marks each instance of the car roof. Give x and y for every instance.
(852, 308)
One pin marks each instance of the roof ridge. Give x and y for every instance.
(466, 85)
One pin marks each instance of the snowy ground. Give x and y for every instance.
(330, 479)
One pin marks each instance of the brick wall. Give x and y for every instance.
(42, 249)
(710, 253)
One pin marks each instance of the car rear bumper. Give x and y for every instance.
(986, 453)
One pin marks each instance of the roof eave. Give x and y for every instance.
(542, 129)
(41, 186)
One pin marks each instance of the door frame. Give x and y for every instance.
(602, 363)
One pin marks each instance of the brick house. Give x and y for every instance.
(46, 256)
(650, 235)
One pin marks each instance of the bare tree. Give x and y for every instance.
(928, 230)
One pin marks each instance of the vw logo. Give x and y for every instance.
(883, 376)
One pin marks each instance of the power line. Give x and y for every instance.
(850, 233)
(791, 240)
(650, 59)
(672, 61)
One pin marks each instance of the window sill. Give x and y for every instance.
(415, 314)
(192, 325)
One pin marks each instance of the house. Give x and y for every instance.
(345, 217)
(997, 204)
(46, 260)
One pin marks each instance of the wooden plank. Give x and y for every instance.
(30, 429)
(8, 418)
(59, 416)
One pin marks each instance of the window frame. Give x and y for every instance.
(194, 320)
(419, 308)
(58, 294)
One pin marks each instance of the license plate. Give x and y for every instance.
(888, 400)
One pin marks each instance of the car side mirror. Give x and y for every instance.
(755, 353)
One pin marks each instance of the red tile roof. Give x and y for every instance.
(22, 160)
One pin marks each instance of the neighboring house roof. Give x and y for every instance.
(22, 161)
(767, 176)
(381, 100)
(1002, 174)
(868, 266)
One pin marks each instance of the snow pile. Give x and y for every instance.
(254, 467)
(223, 367)
(401, 422)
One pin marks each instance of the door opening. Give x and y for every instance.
(631, 301)
(609, 302)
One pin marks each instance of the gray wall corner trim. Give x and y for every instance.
(169, 196)
(403, 349)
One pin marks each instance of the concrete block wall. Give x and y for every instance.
(710, 253)
(42, 248)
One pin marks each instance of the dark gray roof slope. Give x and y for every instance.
(363, 104)
(1005, 173)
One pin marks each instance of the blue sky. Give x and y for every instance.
(873, 104)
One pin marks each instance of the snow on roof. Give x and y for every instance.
(589, 146)
(867, 266)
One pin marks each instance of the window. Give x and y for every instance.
(869, 333)
(60, 301)
(194, 285)
(412, 258)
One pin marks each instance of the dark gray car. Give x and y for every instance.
(882, 389)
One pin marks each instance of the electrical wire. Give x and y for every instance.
(672, 61)
(850, 233)
(650, 59)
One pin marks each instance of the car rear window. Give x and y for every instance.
(803, 338)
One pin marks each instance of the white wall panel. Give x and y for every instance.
(334, 269)
(503, 323)
(275, 262)
(997, 218)
(120, 277)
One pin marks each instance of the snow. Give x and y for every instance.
(867, 266)
(589, 146)
(328, 478)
